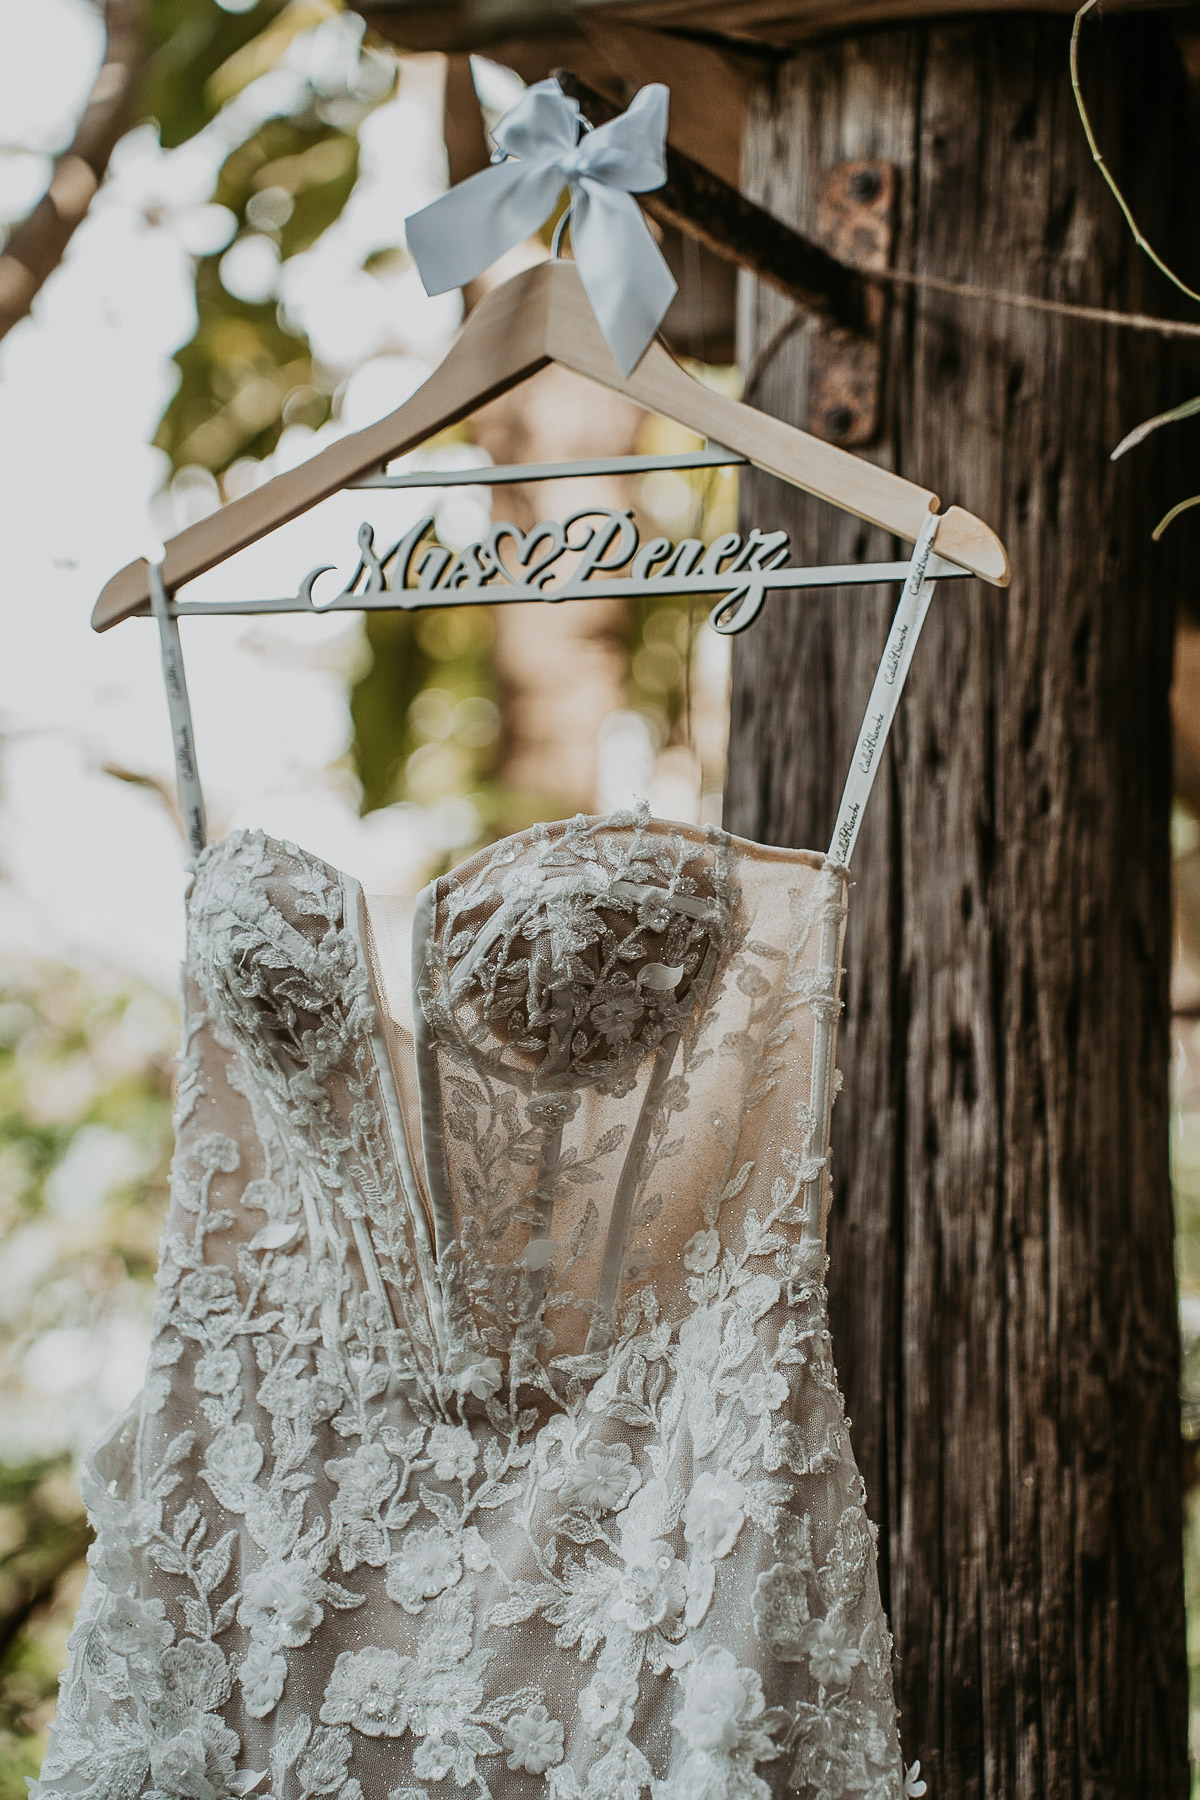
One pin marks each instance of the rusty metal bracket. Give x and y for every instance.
(855, 223)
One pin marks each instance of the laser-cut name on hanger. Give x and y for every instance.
(508, 564)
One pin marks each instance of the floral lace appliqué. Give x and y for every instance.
(493, 1445)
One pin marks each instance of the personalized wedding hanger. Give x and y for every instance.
(543, 316)
(598, 317)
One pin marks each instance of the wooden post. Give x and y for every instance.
(1001, 1241)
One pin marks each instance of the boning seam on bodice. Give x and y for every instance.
(601, 1332)
(429, 1086)
(543, 1195)
(353, 912)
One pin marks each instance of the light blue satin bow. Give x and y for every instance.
(620, 265)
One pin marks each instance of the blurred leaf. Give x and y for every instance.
(425, 720)
(237, 373)
(379, 706)
(245, 373)
(320, 181)
(1185, 410)
(194, 39)
(242, 363)
(261, 54)
(1169, 518)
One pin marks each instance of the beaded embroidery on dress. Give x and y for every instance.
(491, 1442)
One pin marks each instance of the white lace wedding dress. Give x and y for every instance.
(491, 1442)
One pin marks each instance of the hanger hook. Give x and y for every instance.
(560, 230)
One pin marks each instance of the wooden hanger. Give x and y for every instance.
(543, 316)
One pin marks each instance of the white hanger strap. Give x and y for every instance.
(191, 800)
(885, 695)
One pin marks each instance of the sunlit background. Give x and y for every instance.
(238, 295)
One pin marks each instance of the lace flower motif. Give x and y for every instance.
(831, 1660)
(217, 1153)
(763, 1392)
(207, 1291)
(427, 1563)
(602, 1480)
(606, 1704)
(701, 1251)
(217, 1371)
(136, 1629)
(199, 1759)
(722, 1708)
(195, 1674)
(262, 1676)
(652, 1590)
(714, 1514)
(367, 1690)
(453, 1451)
(364, 1480)
(478, 1376)
(534, 1741)
(279, 1605)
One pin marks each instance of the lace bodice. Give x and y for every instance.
(491, 1442)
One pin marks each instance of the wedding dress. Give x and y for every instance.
(491, 1442)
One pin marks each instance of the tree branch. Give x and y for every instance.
(38, 244)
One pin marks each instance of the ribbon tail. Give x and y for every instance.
(472, 226)
(622, 269)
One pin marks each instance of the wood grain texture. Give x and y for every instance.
(534, 36)
(779, 24)
(1001, 1240)
(707, 85)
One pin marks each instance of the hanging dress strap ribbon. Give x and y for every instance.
(191, 799)
(885, 695)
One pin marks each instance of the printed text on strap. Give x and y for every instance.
(885, 695)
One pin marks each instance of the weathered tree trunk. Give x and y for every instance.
(1001, 1241)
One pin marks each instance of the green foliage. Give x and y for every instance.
(244, 374)
(238, 374)
(193, 40)
(85, 1133)
(425, 717)
(45, 1537)
(662, 633)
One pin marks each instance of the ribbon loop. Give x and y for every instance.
(621, 267)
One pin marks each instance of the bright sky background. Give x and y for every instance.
(93, 866)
